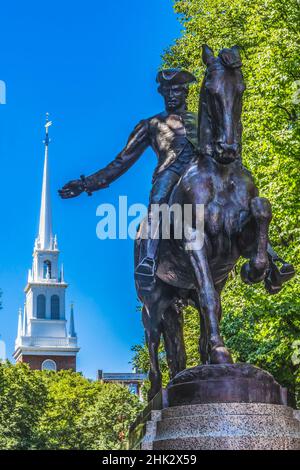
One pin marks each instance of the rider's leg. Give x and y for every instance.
(159, 195)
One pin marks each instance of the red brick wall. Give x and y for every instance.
(62, 362)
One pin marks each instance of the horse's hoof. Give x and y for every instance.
(220, 355)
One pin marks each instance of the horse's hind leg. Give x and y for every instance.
(255, 270)
(153, 330)
(174, 341)
(152, 314)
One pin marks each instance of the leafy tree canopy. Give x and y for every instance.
(63, 410)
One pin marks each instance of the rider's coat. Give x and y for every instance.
(173, 137)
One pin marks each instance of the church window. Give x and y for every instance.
(55, 307)
(41, 306)
(48, 364)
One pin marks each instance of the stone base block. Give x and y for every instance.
(225, 383)
(224, 426)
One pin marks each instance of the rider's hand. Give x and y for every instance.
(71, 189)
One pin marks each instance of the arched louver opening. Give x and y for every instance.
(47, 269)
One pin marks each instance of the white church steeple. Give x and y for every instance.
(45, 236)
(42, 333)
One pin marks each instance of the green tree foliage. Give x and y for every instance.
(69, 395)
(22, 401)
(258, 328)
(106, 423)
(63, 410)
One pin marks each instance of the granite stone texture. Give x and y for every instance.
(297, 414)
(240, 426)
(229, 443)
(151, 429)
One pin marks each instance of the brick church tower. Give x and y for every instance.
(43, 340)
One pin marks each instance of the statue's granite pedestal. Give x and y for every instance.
(211, 407)
(216, 426)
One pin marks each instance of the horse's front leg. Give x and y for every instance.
(255, 270)
(210, 305)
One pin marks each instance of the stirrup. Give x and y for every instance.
(276, 276)
(146, 268)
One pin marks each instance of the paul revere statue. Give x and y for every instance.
(172, 135)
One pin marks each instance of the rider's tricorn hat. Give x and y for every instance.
(175, 77)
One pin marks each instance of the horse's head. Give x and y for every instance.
(220, 128)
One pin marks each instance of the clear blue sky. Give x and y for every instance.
(92, 66)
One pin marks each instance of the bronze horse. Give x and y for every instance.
(236, 222)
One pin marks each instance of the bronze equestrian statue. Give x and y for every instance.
(203, 168)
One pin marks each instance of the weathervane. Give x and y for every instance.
(47, 125)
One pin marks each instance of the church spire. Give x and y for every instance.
(45, 237)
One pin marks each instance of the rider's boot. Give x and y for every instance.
(145, 270)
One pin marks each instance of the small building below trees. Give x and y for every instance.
(132, 380)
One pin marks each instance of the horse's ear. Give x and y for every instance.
(236, 51)
(207, 54)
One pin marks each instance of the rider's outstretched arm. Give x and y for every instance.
(137, 143)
